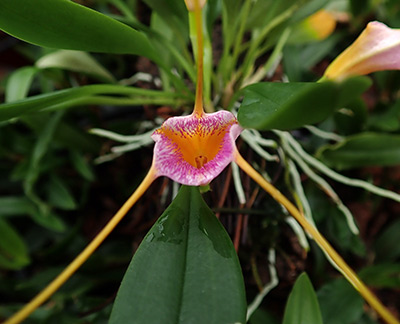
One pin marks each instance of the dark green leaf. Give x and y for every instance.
(49, 220)
(261, 316)
(382, 275)
(67, 25)
(82, 166)
(387, 121)
(16, 206)
(302, 305)
(365, 149)
(59, 195)
(286, 105)
(13, 251)
(185, 271)
(39, 150)
(174, 13)
(352, 118)
(387, 247)
(69, 135)
(340, 295)
(273, 105)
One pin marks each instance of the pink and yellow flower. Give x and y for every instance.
(376, 49)
(194, 149)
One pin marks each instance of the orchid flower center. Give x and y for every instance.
(194, 149)
(197, 144)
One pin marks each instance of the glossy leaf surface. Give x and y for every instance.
(365, 149)
(272, 105)
(68, 25)
(302, 305)
(185, 271)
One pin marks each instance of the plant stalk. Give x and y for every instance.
(349, 274)
(84, 255)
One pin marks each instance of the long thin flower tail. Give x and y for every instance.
(84, 255)
(320, 240)
(195, 7)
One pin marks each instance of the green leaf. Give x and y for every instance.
(16, 206)
(385, 275)
(286, 105)
(261, 316)
(340, 303)
(67, 134)
(21, 206)
(302, 306)
(352, 118)
(174, 13)
(386, 246)
(388, 120)
(365, 149)
(13, 251)
(39, 150)
(75, 61)
(19, 82)
(59, 195)
(79, 96)
(81, 165)
(185, 270)
(67, 25)
(272, 105)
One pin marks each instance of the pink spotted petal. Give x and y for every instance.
(193, 150)
(376, 49)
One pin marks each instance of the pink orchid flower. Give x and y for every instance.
(376, 49)
(194, 149)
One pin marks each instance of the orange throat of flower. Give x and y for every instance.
(199, 146)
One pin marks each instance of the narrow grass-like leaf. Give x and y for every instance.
(302, 306)
(71, 97)
(185, 271)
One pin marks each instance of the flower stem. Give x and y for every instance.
(198, 105)
(320, 240)
(84, 255)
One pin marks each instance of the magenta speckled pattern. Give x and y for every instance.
(168, 160)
